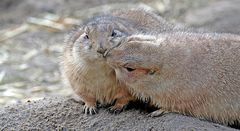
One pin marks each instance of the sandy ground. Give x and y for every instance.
(29, 64)
(60, 113)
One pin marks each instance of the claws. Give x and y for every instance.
(89, 110)
(116, 110)
(103, 105)
(158, 112)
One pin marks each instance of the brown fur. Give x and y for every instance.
(190, 73)
(86, 70)
(153, 22)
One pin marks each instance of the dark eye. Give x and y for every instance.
(114, 33)
(117, 33)
(86, 36)
(129, 69)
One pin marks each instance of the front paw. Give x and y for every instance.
(90, 110)
(116, 109)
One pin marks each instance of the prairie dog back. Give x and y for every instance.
(148, 19)
(190, 73)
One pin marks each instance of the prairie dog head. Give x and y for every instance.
(91, 41)
(132, 61)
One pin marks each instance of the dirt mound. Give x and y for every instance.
(64, 114)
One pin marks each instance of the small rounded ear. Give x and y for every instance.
(110, 28)
(76, 34)
(151, 72)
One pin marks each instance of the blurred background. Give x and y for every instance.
(32, 34)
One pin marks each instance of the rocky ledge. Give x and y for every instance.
(61, 113)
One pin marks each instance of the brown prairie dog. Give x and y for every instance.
(147, 19)
(190, 73)
(85, 68)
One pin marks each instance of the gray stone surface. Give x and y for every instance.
(60, 113)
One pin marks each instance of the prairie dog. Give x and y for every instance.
(152, 22)
(84, 66)
(190, 73)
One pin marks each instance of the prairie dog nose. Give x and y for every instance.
(100, 48)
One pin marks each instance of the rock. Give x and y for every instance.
(61, 113)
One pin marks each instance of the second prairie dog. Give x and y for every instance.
(86, 70)
(146, 19)
(190, 73)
